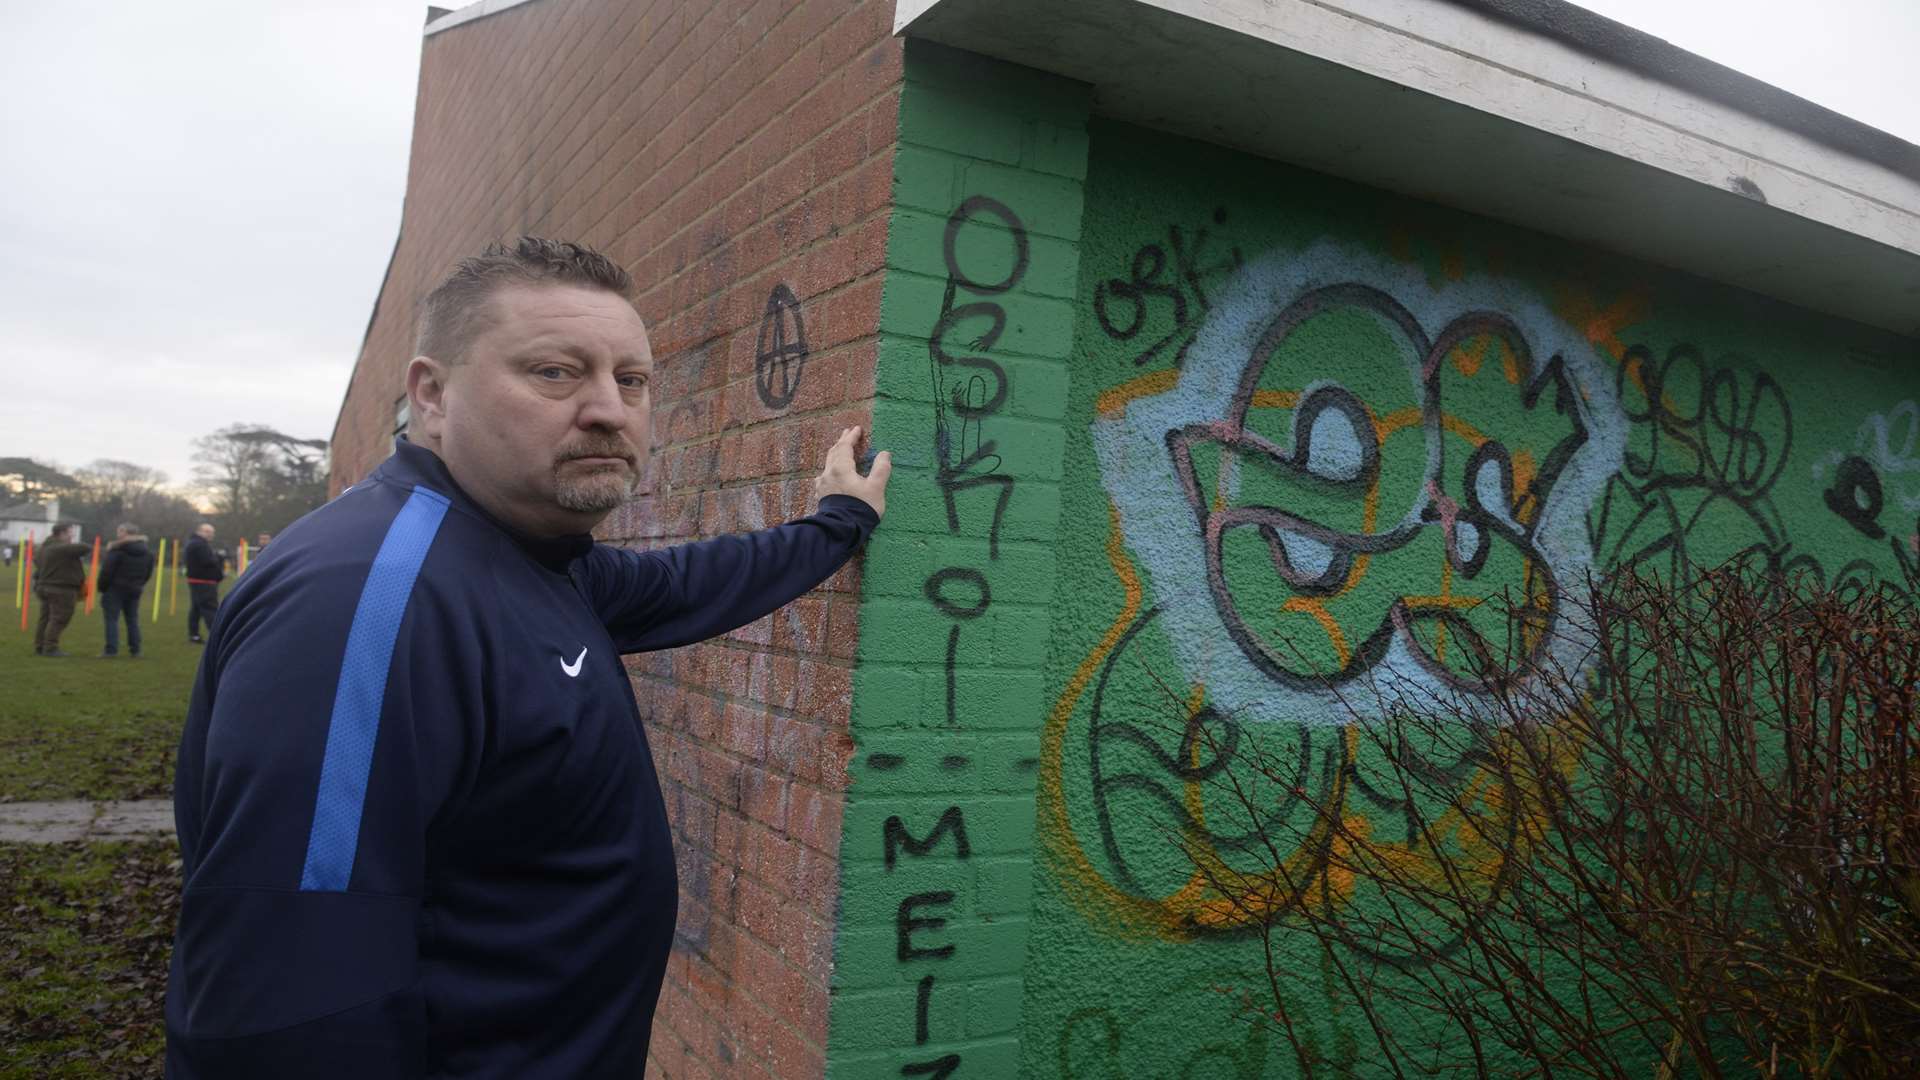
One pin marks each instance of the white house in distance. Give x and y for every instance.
(35, 519)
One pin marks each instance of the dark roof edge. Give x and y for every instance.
(1657, 58)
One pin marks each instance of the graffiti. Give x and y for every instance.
(894, 836)
(780, 351)
(963, 459)
(1337, 442)
(1389, 487)
(1876, 478)
(1855, 496)
(1096, 1044)
(1124, 306)
(1708, 444)
(1381, 488)
(969, 388)
(1316, 483)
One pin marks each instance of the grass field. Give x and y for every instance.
(80, 727)
(86, 929)
(85, 933)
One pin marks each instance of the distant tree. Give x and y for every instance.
(25, 478)
(261, 479)
(107, 493)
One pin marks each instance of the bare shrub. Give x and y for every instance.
(1697, 853)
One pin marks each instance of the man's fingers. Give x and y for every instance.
(840, 454)
(882, 468)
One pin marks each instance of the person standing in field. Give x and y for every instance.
(123, 574)
(205, 570)
(59, 573)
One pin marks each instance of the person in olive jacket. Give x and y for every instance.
(123, 573)
(205, 569)
(59, 572)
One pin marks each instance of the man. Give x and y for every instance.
(59, 573)
(420, 828)
(123, 574)
(205, 569)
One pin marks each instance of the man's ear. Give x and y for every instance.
(426, 399)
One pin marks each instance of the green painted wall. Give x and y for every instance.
(1266, 439)
(958, 595)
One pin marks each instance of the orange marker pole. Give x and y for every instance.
(173, 583)
(26, 604)
(155, 617)
(243, 559)
(93, 574)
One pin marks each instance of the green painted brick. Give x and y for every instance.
(984, 251)
(1046, 205)
(1021, 635)
(914, 503)
(996, 1059)
(959, 122)
(1009, 763)
(910, 304)
(865, 825)
(888, 1019)
(1037, 327)
(1055, 148)
(1003, 887)
(1024, 573)
(992, 1008)
(905, 428)
(928, 179)
(981, 950)
(903, 372)
(910, 631)
(929, 761)
(1037, 388)
(897, 564)
(877, 687)
(870, 893)
(994, 698)
(1034, 448)
(1032, 514)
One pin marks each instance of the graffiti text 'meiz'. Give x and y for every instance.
(968, 387)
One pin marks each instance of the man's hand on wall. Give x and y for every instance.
(842, 476)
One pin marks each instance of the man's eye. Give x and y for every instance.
(633, 382)
(551, 372)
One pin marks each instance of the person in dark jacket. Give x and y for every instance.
(205, 569)
(59, 573)
(420, 828)
(124, 572)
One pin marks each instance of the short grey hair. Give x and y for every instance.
(454, 313)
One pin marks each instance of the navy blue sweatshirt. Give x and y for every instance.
(420, 826)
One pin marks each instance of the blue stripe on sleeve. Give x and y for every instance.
(363, 685)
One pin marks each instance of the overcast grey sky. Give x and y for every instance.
(198, 197)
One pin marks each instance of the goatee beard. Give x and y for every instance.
(593, 493)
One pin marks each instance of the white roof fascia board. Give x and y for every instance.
(471, 12)
(1506, 122)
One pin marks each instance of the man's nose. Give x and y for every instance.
(601, 404)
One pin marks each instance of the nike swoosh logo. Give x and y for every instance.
(573, 669)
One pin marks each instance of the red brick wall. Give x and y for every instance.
(717, 149)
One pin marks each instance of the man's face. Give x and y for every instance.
(205, 532)
(545, 421)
